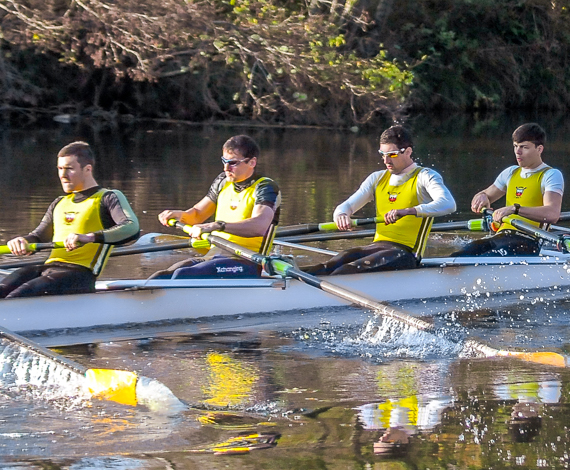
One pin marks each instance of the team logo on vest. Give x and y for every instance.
(392, 197)
(234, 204)
(70, 217)
(519, 191)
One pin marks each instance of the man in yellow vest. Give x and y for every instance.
(533, 193)
(246, 207)
(407, 197)
(89, 220)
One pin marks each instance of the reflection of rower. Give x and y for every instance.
(231, 382)
(526, 419)
(401, 418)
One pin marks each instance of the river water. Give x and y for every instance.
(323, 394)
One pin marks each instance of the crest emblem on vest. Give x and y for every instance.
(234, 205)
(392, 197)
(519, 191)
(70, 217)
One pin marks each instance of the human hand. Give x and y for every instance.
(479, 202)
(75, 240)
(343, 222)
(19, 246)
(166, 215)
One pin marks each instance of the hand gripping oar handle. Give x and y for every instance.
(108, 384)
(278, 266)
(4, 250)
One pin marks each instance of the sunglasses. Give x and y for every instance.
(225, 161)
(391, 153)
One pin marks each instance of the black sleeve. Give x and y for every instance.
(267, 193)
(216, 187)
(43, 233)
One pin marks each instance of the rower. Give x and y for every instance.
(89, 220)
(533, 194)
(246, 207)
(407, 198)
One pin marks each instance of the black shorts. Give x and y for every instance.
(378, 256)
(48, 279)
(504, 243)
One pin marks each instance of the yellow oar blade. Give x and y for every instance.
(114, 385)
(546, 358)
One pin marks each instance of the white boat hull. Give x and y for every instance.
(159, 301)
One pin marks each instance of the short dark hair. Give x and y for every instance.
(242, 145)
(397, 135)
(530, 132)
(81, 150)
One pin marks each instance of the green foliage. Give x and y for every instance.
(475, 54)
(336, 63)
(260, 59)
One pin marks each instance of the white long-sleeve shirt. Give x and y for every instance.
(434, 197)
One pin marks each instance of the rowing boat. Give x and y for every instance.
(130, 302)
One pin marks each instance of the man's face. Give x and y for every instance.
(528, 154)
(238, 168)
(71, 175)
(396, 161)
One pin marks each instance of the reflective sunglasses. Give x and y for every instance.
(391, 153)
(232, 163)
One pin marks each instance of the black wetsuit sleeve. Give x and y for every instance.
(43, 233)
(267, 193)
(216, 187)
(118, 218)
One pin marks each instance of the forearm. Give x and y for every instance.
(123, 225)
(542, 214)
(248, 228)
(192, 216)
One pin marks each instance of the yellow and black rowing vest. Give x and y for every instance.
(410, 231)
(527, 192)
(81, 217)
(233, 206)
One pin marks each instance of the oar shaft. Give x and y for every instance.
(313, 249)
(302, 229)
(285, 269)
(32, 346)
(562, 241)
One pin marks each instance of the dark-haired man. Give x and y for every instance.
(533, 193)
(407, 197)
(246, 207)
(89, 220)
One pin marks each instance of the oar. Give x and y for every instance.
(562, 241)
(108, 384)
(305, 247)
(119, 251)
(282, 268)
(4, 250)
(302, 229)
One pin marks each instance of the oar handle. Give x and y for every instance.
(196, 243)
(4, 250)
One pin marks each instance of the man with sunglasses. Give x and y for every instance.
(533, 193)
(246, 206)
(407, 197)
